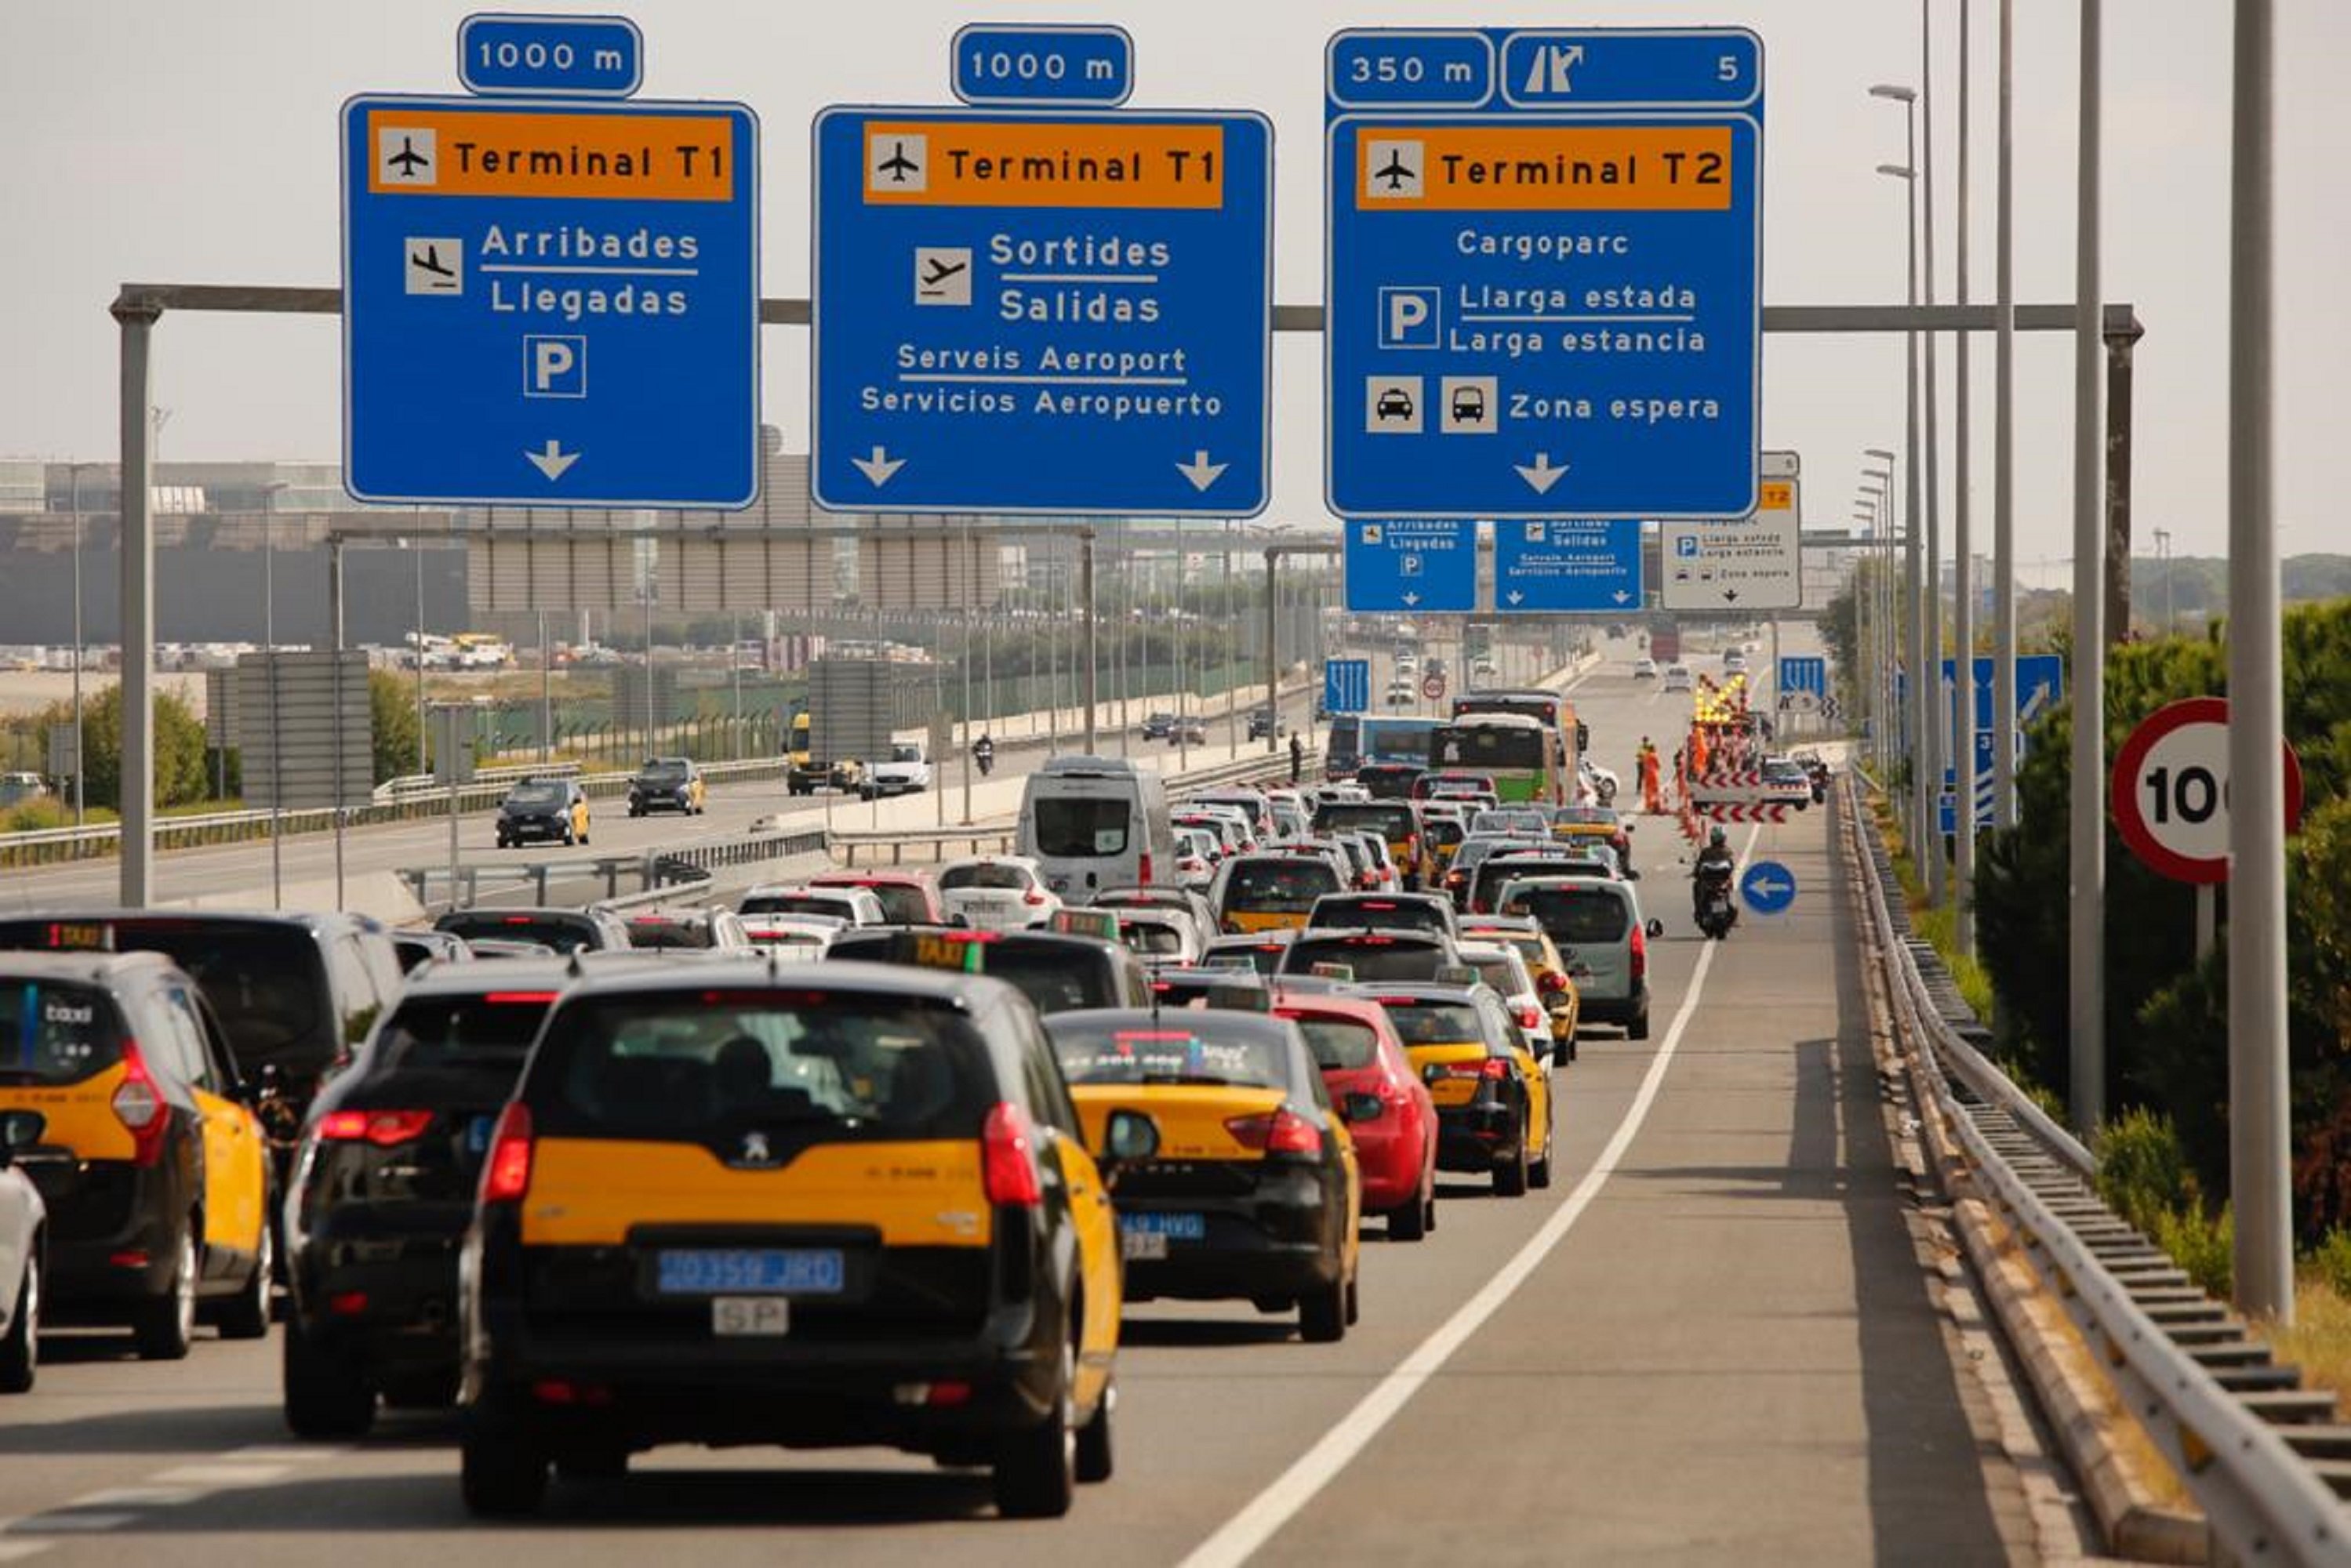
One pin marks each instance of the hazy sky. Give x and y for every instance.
(150, 140)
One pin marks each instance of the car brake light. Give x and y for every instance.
(1032, 897)
(505, 1174)
(1550, 980)
(1531, 1017)
(1279, 1132)
(1143, 869)
(139, 1106)
(385, 1129)
(1008, 1163)
(1640, 953)
(517, 998)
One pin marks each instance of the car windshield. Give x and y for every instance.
(535, 795)
(1573, 914)
(662, 772)
(564, 933)
(1432, 1021)
(906, 753)
(1288, 885)
(1243, 1054)
(1080, 827)
(1337, 1041)
(958, 877)
(55, 1032)
(791, 1065)
(494, 1030)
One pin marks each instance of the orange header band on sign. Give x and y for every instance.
(460, 152)
(1570, 168)
(1777, 497)
(1044, 163)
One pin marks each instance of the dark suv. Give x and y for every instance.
(667, 784)
(549, 808)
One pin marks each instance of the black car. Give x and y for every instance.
(1264, 722)
(667, 784)
(383, 1189)
(1373, 957)
(565, 930)
(555, 810)
(1159, 726)
(1055, 971)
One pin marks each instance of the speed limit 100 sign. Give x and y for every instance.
(2170, 790)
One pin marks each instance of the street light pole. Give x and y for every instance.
(1963, 600)
(270, 657)
(73, 474)
(1921, 819)
(1933, 735)
(2085, 812)
(2003, 452)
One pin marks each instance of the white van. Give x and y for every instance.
(1097, 821)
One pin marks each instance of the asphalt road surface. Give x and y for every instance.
(1713, 1339)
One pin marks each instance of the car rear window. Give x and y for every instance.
(1286, 886)
(1337, 1041)
(1078, 827)
(53, 1032)
(1573, 914)
(432, 1034)
(691, 1064)
(1399, 913)
(1011, 877)
(1434, 1022)
(1155, 938)
(1168, 1051)
(1262, 957)
(903, 903)
(665, 934)
(565, 934)
(1498, 973)
(1056, 976)
(797, 904)
(1366, 958)
(1392, 824)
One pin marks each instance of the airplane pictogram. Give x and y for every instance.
(408, 159)
(898, 166)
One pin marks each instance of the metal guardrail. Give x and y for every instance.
(2174, 1355)
(661, 876)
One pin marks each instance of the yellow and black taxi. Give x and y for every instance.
(667, 784)
(154, 1170)
(818, 1204)
(1058, 971)
(550, 809)
(1554, 977)
(1397, 822)
(382, 1191)
(1494, 1112)
(1256, 1193)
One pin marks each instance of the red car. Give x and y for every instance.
(1356, 1044)
(908, 897)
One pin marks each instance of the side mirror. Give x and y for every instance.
(1362, 1108)
(1129, 1137)
(1656, 926)
(19, 1130)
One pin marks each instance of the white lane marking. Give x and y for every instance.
(135, 1497)
(17, 1550)
(221, 1475)
(1240, 1538)
(309, 1453)
(72, 1523)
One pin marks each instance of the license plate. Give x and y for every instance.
(766, 1270)
(477, 1134)
(1142, 1244)
(1179, 1227)
(732, 1316)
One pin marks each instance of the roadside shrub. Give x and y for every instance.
(2331, 1261)
(2142, 1171)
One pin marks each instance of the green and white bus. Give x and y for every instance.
(1523, 755)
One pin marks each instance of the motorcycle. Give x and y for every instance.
(1717, 913)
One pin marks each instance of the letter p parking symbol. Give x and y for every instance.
(554, 366)
(1409, 317)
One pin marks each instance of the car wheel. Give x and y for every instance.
(327, 1395)
(246, 1316)
(570, 837)
(1354, 1298)
(1539, 1172)
(20, 1353)
(1409, 1223)
(502, 1469)
(1639, 1027)
(607, 1461)
(1510, 1175)
(163, 1326)
(420, 1390)
(1036, 1467)
(1323, 1314)
(1097, 1457)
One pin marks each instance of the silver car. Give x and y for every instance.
(22, 1219)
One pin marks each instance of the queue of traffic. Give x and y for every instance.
(876, 1159)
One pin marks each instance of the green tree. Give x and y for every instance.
(180, 773)
(392, 725)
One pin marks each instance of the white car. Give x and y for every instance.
(21, 1215)
(1197, 850)
(1645, 669)
(907, 772)
(1602, 783)
(1734, 662)
(997, 893)
(1501, 967)
(1167, 937)
(856, 906)
(793, 939)
(1678, 678)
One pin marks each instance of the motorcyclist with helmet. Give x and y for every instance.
(1714, 861)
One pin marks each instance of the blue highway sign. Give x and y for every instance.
(550, 57)
(550, 305)
(1570, 565)
(1807, 673)
(1411, 564)
(2039, 687)
(1063, 313)
(1768, 887)
(1543, 279)
(1346, 685)
(1046, 65)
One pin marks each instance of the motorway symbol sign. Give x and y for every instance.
(1042, 313)
(1746, 563)
(1568, 565)
(1432, 686)
(2169, 789)
(1411, 565)
(2039, 685)
(550, 304)
(550, 57)
(1542, 273)
(1768, 887)
(1346, 685)
(1048, 64)
(1803, 682)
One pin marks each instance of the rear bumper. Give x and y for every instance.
(1616, 1009)
(1475, 1137)
(389, 1302)
(1281, 1243)
(114, 1233)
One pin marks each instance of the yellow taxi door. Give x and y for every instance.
(1101, 1273)
(237, 1160)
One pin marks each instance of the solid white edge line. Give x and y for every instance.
(1241, 1536)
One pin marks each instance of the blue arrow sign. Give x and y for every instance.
(1063, 313)
(1804, 673)
(1346, 685)
(1412, 565)
(2039, 685)
(1013, 67)
(1542, 273)
(1564, 565)
(1768, 887)
(550, 305)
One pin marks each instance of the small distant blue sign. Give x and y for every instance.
(1805, 673)
(550, 57)
(1768, 887)
(1542, 273)
(2039, 687)
(1984, 795)
(1568, 565)
(1042, 65)
(550, 304)
(1412, 565)
(1346, 685)
(1032, 313)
